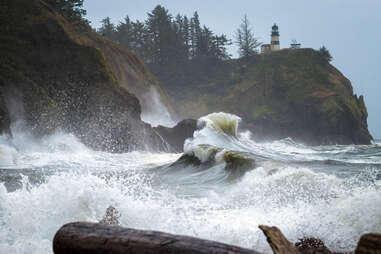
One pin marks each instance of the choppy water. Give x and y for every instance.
(330, 192)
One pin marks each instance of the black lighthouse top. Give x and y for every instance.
(275, 31)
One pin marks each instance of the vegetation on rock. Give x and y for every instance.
(290, 93)
(246, 42)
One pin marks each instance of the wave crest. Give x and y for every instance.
(221, 122)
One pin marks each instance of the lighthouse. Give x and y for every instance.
(275, 45)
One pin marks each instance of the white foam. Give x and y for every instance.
(300, 201)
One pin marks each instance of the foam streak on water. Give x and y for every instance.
(328, 192)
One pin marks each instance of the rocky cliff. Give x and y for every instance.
(130, 72)
(52, 76)
(290, 93)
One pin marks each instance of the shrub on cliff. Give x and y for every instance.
(325, 54)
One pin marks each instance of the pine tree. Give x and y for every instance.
(141, 43)
(160, 32)
(195, 33)
(124, 33)
(219, 44)
(107, 29)
(179, 41)
(204, 43)
(186, 35)
(325, 54)
(70, 9)
(247, 43)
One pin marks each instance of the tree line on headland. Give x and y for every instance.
(168, 43)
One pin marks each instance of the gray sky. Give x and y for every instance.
(350, 29)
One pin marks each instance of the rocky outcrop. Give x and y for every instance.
(177, 135)
(50, 77)
(289, 93)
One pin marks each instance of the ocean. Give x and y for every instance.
(222, 187)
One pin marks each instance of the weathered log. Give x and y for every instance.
(278, 243)
(369, 244)
(84, 237)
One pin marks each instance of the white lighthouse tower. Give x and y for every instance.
(275, 45)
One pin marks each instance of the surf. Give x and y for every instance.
(221, 188)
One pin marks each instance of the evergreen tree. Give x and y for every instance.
(107, 29)
(179, 42)
(195, 34)
(70, 9)
(325, 54)
(247, 43)
(219, 44)
(179, 23)
(169, 44)
(204, 43)
(141, 44)
(186, 35)
(124, 33)
(161, 32)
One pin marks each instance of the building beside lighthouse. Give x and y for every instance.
(275, 44)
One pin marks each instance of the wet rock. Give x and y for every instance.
(111, 217)
(176, 136)
(312, 245)
(369, 244)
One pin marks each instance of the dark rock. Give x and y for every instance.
(4, 119)
(311, 246)
(177, 135)
(111, 217)
(369, 244)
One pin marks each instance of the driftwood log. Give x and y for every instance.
(278, 242)
(98, 238)
(83, 237)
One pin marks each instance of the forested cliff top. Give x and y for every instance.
(293, 93)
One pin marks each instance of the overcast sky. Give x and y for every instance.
(350, 29)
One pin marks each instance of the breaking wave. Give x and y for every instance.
(221, 188)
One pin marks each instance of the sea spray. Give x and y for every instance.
(330, 192)
(154, 111)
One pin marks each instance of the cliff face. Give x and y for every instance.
(51, 76)
(129, 71)
(290, 93)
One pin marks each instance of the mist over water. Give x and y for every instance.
(154, 111)
(330, 192)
